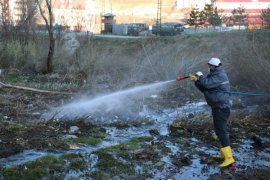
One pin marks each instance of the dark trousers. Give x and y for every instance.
(220, 117)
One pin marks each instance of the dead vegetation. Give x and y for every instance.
(101, 65)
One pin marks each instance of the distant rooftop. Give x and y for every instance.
(108, 15)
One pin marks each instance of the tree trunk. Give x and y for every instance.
(50, 53)
(49, 25)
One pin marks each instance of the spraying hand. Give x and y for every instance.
(195, 77)
(192, 77)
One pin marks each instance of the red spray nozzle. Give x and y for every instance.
(180, 78)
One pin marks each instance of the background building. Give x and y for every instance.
(78, 15)
(86, 15)
(253, 8)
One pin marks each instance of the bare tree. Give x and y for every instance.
(47, 5)
(25, 20)
(4, 16)
(27, 15)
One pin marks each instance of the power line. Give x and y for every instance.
(158, 23)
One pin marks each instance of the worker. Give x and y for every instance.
(213, 86)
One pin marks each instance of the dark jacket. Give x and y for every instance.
(212, 86)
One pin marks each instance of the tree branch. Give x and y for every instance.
(2, 85)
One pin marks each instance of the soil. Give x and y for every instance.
(21, 128)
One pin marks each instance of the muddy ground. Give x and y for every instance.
(21, 128)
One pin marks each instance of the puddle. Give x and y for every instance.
(245, 154)
(196, 171)
(21, 158)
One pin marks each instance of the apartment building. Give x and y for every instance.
(85, 15)
(253, 8)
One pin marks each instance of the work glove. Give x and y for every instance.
(192, 77)
(199, 73)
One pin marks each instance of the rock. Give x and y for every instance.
(194, 139)
(213, 134)
(176, 125)
(36, 114)
(145, 154)
(182, 161)
(154, 132)
(176, 129)
(186, 160)
(73, 146)
(257, 141)
(73, 129)
(206, 160)
(160, 163)
(69, 136)
(191, 115)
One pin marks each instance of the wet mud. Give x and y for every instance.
(173, 141)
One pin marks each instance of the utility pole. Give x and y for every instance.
(6, 12)
(158, 23)
(102, 25)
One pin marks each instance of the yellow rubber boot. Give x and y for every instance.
(227, 152)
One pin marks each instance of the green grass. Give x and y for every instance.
(123, 149)
(101, 135)
(85, 140)
(107, 163)
(48, 167)
(43, 167)
(14, 78)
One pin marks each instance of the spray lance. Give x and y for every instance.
(180, 78)
(192, 77)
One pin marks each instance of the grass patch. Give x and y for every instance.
(76, 161)
(43, 167)
(123, 149)
(48, 167)
(101, 135)
(70, 156)
(78, 164)
(107, 163)
(15, 78)
(85, 140)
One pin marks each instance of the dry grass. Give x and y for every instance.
(124, 62)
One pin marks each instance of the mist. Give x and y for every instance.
(125, 103)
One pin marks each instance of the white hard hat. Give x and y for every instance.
(214, 62)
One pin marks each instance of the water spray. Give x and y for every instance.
(112, 102)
